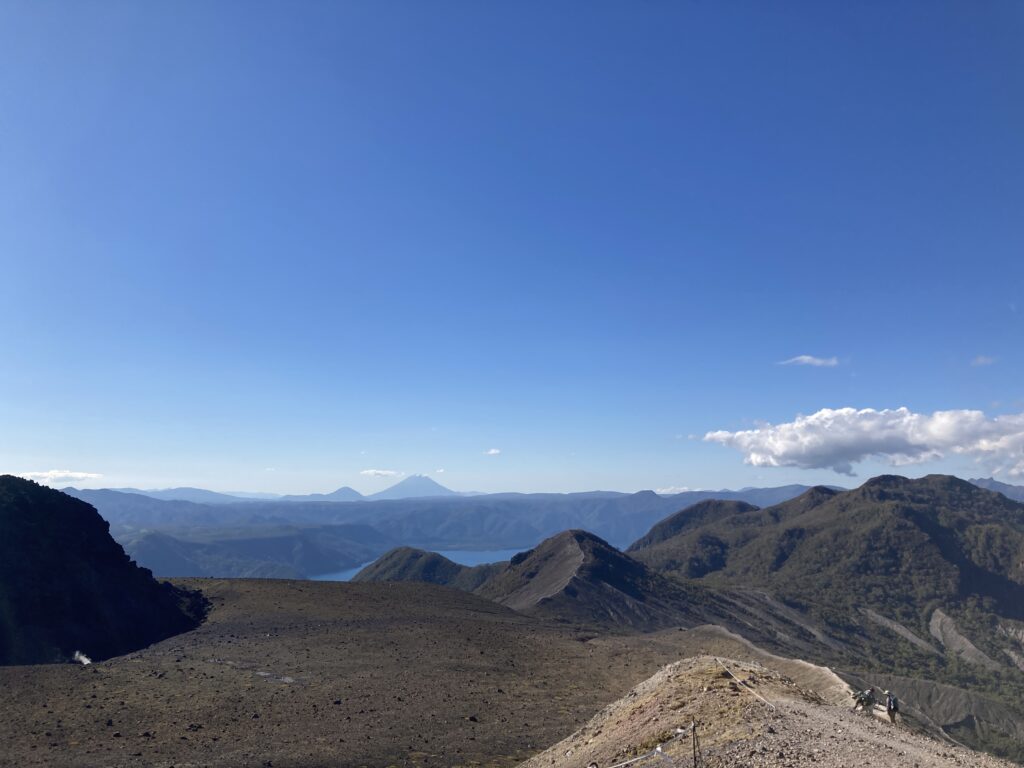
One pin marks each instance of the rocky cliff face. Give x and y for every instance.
(67, 586)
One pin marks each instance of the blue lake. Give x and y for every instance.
(460, 556)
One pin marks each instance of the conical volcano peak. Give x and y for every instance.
(413, 487)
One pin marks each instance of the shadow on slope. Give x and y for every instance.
(67, 586)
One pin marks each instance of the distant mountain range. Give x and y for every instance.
(1015, 492)
(409, 564)
(453, 521)
(342, 494)
(422, 486)
(414, 486)
(576, 577)
(212, 534)
(267, 552)
(195, 495)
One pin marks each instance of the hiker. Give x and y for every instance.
(864, 700)
(892, 706)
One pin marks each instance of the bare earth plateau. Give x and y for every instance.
(300, 673)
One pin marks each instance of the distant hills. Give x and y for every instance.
(690, 517)
(576, 576)
(435, 518)
(422, 486)
(195, 495)
(280, 552)
(410, 564)
(414, 486)
(67, 586)
(762, 497)
(1015, 492)
(342, 494)
(452, 521)
(900, 546)
(220, 538)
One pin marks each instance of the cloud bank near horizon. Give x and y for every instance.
(380, 473)
(672, 490)
(838, 438)
(58, 476)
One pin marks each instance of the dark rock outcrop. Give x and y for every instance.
(67, 586)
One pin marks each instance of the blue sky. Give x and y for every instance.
(270, 246)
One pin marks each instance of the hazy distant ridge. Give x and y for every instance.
(490, 521)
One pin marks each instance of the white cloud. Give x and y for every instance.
(59, 476)
(492, 451)
(439, 471)
(381, 473)
(982, 360)
(672, 490)
(818, 362)
(839, 438)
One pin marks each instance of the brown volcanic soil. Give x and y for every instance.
(298, 673)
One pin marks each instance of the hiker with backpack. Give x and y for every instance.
(864, 700)
(892, 706)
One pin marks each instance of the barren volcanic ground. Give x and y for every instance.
(299, 673)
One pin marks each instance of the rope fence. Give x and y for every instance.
(744, 686)
(658, 751)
